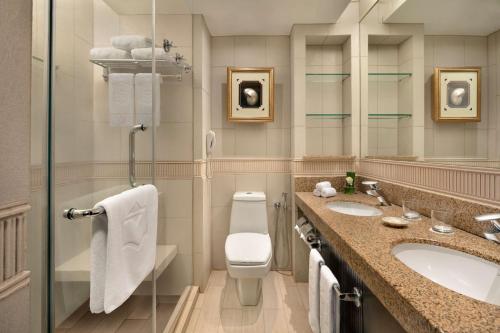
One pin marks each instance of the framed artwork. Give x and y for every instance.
(250, 94)
(456, 94)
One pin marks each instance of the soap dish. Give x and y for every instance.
(395, 222)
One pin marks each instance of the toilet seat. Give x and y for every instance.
(248, 249)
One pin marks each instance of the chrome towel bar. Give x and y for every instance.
(74, 213)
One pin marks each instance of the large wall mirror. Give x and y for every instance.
(405, 115)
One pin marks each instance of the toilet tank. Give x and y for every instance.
(249, 213)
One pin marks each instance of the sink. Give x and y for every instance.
(461, 272)
(353, 208)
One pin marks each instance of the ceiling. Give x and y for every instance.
(265, 17)
(450, 17)
(242, 17)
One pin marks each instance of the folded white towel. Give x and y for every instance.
(121, 99)
(144, 99)
(123, 246)
(109, 53)
(315, 262)
(328, 192)
(324, 184)
(130, 42)
(146, 54)
(317, 192)
(329, 304)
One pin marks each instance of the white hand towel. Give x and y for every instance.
(123, 246)
(144, 99)
(328, 192)
(329, 304)
(324, 184)
(317, 192)
(146, 54)
(121, 99)
(315, 262)
(109, 53)
(130, 42)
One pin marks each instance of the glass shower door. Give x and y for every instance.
(93, 109)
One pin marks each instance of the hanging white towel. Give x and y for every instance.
(147, 54)
(325, 184)
(123, 246)
(315, 262)
(144, 99)
(328, 192)
(129, 42)
(121, 99)
(329, 302)
(109, 53)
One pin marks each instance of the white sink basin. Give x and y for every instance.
(461, 272)
(353, 208)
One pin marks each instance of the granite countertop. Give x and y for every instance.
(417, 303)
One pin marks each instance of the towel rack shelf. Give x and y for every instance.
(175, 67)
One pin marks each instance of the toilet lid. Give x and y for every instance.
(248, 249)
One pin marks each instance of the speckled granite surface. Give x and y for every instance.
(463, 210)
(417, 303)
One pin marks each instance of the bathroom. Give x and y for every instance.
(325, 166)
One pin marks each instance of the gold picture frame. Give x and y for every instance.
(250, 94)
(456, 94)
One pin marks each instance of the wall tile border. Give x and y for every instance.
(476, 184)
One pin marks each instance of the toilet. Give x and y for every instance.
(248, 245)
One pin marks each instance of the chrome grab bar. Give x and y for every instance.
(131, 153)
(74, 213)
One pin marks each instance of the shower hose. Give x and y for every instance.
(281, 235)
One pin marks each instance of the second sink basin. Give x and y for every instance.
(461, 272)
(353, 208)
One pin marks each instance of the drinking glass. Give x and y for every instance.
(410, 210)
(441, 221)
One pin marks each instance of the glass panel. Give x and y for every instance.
(94, 107)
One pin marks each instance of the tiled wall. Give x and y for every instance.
(268, 139)
(461, 139)
(247, 140)
(494, 96)
(327, 95)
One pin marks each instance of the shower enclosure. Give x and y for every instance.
(96, 146)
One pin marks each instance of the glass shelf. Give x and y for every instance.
(328, 115)
(389, 115)
(389, 76)
(326, 77)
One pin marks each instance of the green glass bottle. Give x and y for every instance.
(349, 182)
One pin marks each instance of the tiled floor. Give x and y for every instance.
(134, 316)
(282, 309)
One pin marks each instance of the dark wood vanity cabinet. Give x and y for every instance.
(372, 316)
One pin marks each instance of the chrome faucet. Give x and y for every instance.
(493, 232)
(373, 190)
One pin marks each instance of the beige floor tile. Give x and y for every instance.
(193, 320)
(253, 320)
(303, 289)
(297, 321)
(271, 293)
(199, 301)
(230, 298)
(141, 307)
(133, 326)
(217, 279)
(87, 323)
(231, 321)
(274, 321)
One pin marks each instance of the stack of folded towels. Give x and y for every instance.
(324, 189)
(129, 47)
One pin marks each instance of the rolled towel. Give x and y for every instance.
(130, 42)
(109, 53)
(323, 184)
(317, 192)
(146, 54)
(328, 192)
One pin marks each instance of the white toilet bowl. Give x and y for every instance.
(248, 245)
